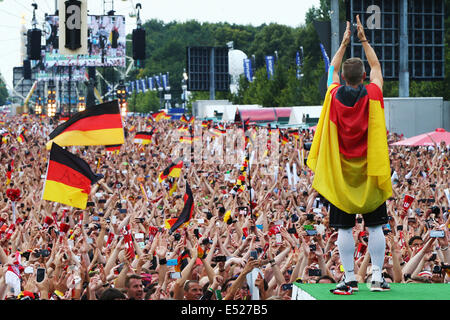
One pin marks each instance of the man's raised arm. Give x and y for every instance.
(335, 64)
(376, 75)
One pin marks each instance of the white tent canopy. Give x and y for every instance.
(230, 110)
(299, 114)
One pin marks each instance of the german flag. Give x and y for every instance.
(184, 139)
(351, 162)
(184, 119)
(5, 137)
(158, 115)
(172, 187)
(284, 139)
(113, 148)
(191, 120)
(183, 129)
(9, 172)
(99, 125)
(166, 116)
(294, 133)
(21, 138)
(68, 179)
(186, 213)
(182, 261)
(143, 137)
(173, 170)
(240, 183)
(219, 131)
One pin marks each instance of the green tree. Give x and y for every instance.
(144, 102)
(4, 95)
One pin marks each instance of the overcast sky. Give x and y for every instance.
(253, 12)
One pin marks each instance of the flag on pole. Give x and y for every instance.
(115, 148)
(99, 125)
(158, 115)
(173, 170)
(186, 213)
(248, 71)
(143, 137)
(21, 138)
(9, 172)
(68, 178)
(270, 61)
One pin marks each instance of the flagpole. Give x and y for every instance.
(249, 170)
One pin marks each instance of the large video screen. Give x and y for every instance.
(106, 43)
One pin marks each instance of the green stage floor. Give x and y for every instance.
(399, 291)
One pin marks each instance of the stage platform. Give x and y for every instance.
(399, 291)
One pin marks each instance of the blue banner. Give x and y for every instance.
(165, 80)
(270, 61)
(150, 83)
(144, 89)
(158, 82)
(325, 58)
(299, 62)
(248, 71)
(137, 86)
(132, 86)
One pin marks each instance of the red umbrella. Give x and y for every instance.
(426, 139)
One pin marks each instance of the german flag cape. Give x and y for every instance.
(186, 213)
(99, 125)
(68, 179)
(173, 170)
(349, 154)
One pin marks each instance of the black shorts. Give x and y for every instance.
(341, 219)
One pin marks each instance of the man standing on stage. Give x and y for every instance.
(350, 158)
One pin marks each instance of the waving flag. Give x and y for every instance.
(351, 163)
(21, 138)
(68, 178)
(240, 183)
(143, 137)
(186, 213)
(173, 170)
(115, 148)
(9, 172)
(158, 115)
(187, 140)
(99, 125)
(183, 119)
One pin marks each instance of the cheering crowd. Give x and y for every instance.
(253, 242)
